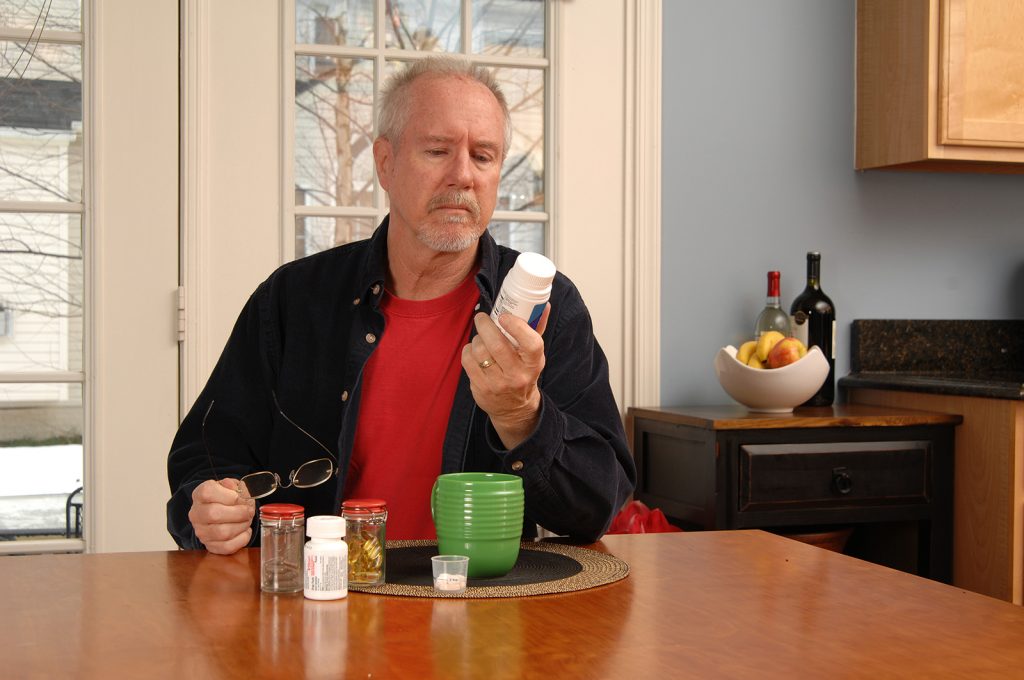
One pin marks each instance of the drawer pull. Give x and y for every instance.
(841, 480)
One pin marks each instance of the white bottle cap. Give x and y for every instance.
(534, 271)
(325, 526)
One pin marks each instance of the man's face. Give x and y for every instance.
(442, 177)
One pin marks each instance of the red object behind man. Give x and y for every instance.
(637, 518)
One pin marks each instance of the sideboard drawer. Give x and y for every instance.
(795, 476)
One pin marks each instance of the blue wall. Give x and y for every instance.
(757, 125)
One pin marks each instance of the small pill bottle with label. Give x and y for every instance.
(326, 559)
(525, 290)
(281, 527)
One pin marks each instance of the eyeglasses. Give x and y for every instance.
(260, 484)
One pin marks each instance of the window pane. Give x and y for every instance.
(522, 182)
(333, 131)
(508, 27)
(334, 22)
(391, 67)
(40, 122)
(424, 25)
(41, 288)
(316, 234)
(41, 456)
(521, 236)
(50, 15)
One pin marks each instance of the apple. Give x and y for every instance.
(785, 352)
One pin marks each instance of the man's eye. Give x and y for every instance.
(483, 158)
(436, 152)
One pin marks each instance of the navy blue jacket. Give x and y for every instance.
(305, 335)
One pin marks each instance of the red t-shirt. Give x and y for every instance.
(407, 392)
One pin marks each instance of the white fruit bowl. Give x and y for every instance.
(772, 390)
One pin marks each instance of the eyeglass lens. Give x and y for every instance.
(257, 485)
(312, 473)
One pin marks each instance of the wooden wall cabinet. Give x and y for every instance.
(988, 497)
(940, 85)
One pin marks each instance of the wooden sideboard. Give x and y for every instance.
(887, 473)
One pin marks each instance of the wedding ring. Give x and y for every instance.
(486, 363)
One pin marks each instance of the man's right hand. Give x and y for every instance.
(221, 518)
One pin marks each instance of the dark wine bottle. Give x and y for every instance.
(814, 323)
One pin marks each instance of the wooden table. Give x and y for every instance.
(731, 604)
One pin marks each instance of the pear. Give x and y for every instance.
(745, 351)
(766, 342)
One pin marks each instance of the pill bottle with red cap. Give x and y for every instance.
(365, 524)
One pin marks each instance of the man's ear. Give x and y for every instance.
(384, 159)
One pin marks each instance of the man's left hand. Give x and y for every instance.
(503, 376)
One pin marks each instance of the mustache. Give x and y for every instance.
(455, 198)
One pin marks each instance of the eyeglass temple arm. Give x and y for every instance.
(205, 444)
(299, 428)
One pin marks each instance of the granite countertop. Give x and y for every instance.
(966, 358)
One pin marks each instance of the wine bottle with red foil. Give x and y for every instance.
(772, 318)
(814, 323)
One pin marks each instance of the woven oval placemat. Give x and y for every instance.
(542, 569)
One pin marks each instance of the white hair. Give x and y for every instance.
(393, 115)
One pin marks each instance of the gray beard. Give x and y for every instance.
(448, 241)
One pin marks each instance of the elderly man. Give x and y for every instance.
(384, 349)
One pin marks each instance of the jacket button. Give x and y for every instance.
(371, 338)
(517, 466)
(376, 289)
(355, 303)
(477, 308)
(344, 395)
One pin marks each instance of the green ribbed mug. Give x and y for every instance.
(480, 515)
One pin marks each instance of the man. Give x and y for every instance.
(384, 349)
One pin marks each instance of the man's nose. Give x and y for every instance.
(460, 170)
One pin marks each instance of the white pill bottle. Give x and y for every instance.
(325, 559)
(525, 290)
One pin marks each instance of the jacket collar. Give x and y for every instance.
(490, 259)
(375, 266)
